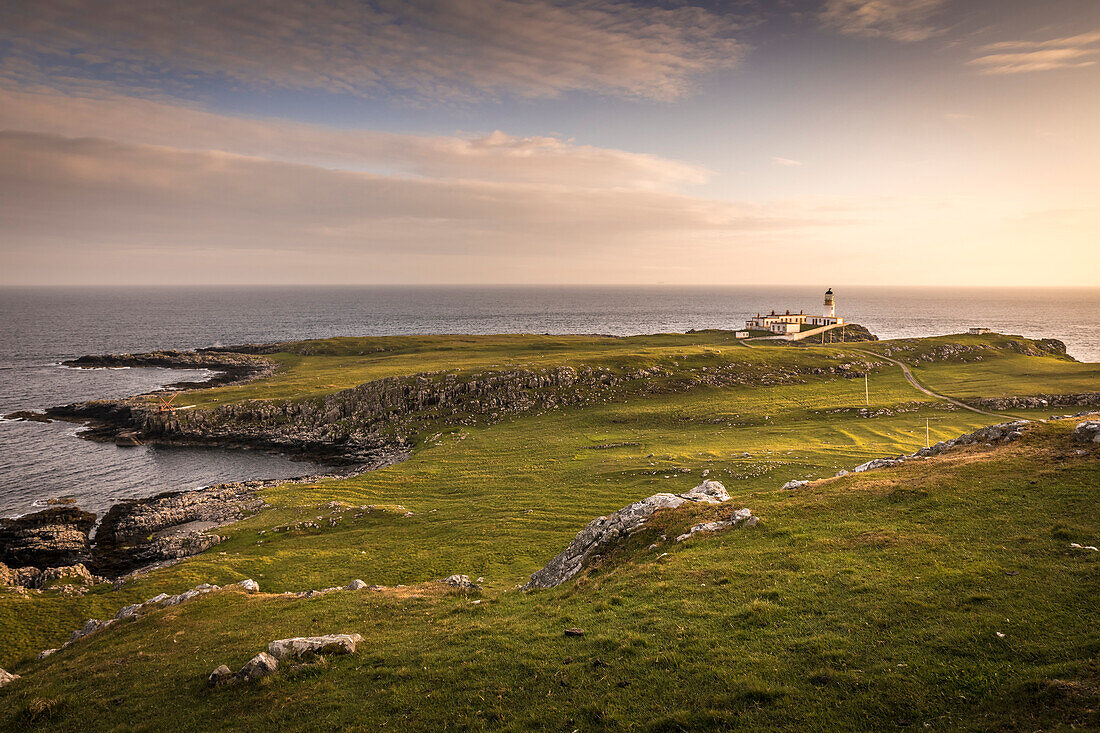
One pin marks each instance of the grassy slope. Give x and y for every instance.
(776, 626)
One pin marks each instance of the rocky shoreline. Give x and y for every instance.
(231, 367)
(365, 427)
(137, 534)
(164, 528)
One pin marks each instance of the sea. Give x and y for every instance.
(41, 327)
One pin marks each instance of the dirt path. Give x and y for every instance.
(913, 381)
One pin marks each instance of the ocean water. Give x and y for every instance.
(41, 327)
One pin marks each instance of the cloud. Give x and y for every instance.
(496, 156)
(786, 161)
(1022, 57)
(87, 193)
(901, 20)
(457, 50)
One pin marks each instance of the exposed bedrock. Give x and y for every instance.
(604, 532)
(1039, 401)
(232, 368)
(53, 537)
(171, 525)
(132, 534)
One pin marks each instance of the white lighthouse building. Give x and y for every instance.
(788, 323)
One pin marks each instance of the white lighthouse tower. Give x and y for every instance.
(830, 307)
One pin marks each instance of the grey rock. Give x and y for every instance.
(76, 577)
(76, 574)
(740, 518)
(1039, 401)
(90, 627)
(309, 645)
(45, 653)
(794, 484)
(603, 532)
(1087, 432)
(250, 585)
(878, 463)
(259, 666)
(188, 595)
(220, 676)
(7, 677)
(460, 581)
(356, 585)
(128, 611)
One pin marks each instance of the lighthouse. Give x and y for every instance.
(830, 307)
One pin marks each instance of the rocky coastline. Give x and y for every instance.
(230, 367)
(362, 428)
(164, 528)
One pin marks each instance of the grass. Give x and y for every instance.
(867, 602)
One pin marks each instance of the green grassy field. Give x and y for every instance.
(868, 602)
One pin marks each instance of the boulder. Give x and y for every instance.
(356, 585)
(1087, 432)
(794, 484)
(250, 585)
(220, 676)
(460, 581)
(45, 653)
(604, 532)
(310, 645)
(259, 666)
(6, 677)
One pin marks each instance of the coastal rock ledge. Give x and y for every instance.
(603, 532)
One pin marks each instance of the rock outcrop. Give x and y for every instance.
(1039, 401)
(1000, 433)
(603, 532)
(232, 368)
(740, 518)
(49, 538)
(1087, 432)
(299, 647)
(171, 525)
(1005, 432)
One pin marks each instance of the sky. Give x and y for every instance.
(860, 142)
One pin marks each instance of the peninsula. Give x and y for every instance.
(664, 532)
